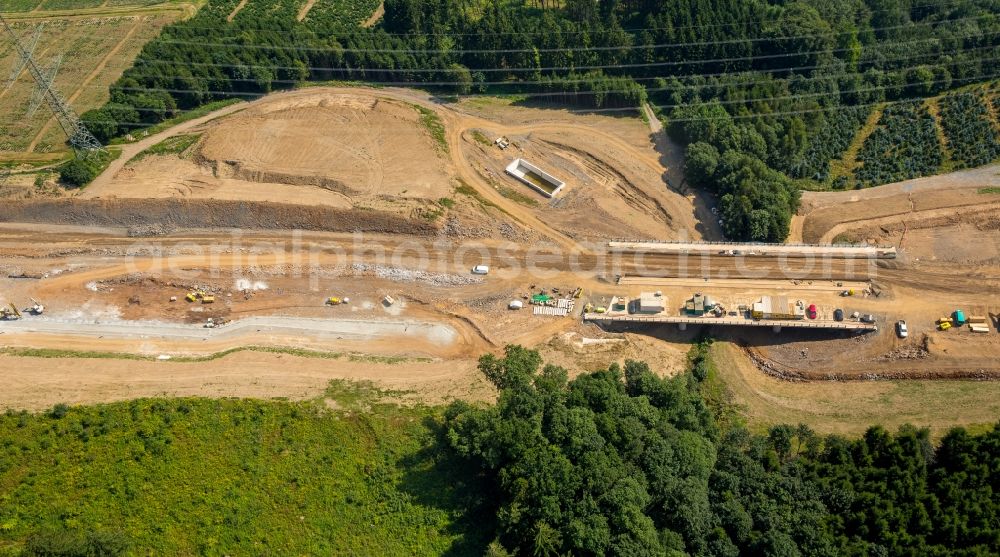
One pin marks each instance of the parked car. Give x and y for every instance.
(811, 311)
(901, 329)
(838, 314)
(867, 318)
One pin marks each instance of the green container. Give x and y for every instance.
(959, 317)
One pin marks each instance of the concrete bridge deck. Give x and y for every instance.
(776, 324)
(755, 249)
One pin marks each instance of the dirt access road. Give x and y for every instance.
(457, 124)
(131, 150)
(389, 336)
(824, 216)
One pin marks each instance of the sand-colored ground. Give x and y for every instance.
(372, 149)
(824, 216)
(848, 408)
(356, 145)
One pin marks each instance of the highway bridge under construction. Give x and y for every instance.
(755, 249)
(776, 325)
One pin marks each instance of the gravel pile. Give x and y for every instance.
(397, 274)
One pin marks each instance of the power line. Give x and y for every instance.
(258, 46)
(635, 65)
(519, 82)
(79, 137)
(728, 102)
(582, 93)
(748, 23)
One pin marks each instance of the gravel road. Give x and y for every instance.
(319, 329)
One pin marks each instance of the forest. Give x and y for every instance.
(619, 461)
(779, 73)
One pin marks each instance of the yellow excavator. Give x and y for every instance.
(10, 313)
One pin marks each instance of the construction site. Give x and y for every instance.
(410, 249)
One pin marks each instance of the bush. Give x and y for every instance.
(700, 162)
(77, 173)
(63, 543)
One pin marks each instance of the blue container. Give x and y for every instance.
(959, 317)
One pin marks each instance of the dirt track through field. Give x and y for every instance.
(236, 10)
(456, 125)
(304, 11)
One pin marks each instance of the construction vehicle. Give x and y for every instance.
(578, 292)
(191, 297)
(846, 293)
(334, 301)
(945, 326)
(10, 313)
(208, 299)
(36, 308)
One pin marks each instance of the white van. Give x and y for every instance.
(481, 270)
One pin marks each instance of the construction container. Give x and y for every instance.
(979, 328)
(959, 317)
(515, 304)
(481, 270)
(976, 319)
(695, 306)
(777, 308)
(208, 299)
(649, 302)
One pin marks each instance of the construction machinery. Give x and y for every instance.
(10, 313)
(36, 308)
(335, 301)
(196, 295)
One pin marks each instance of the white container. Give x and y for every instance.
(515, 304)
(481, 270)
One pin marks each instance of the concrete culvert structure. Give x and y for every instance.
(539, 180)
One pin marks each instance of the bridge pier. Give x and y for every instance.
(682, 326)
(776, 328)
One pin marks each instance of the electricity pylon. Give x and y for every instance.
(80, 138)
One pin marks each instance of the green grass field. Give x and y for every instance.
(346, 474)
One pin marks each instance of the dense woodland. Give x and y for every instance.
(763, 83)
(623, 462)
(614, 462)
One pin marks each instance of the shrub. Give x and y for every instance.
(76, 173)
